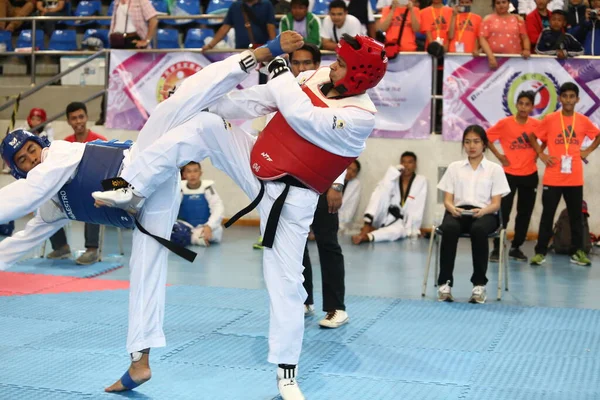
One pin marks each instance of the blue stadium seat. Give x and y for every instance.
(24, 39)
(111, 8)
(321, 7)
(160, 6)
(167, 39)
(217, 7)
(101, 34)
(5, 37)
(374, 5)
(64, 40)
(196, 38)
(184, 7)
(86, 8)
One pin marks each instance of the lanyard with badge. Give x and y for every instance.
(566, 161)
(460, 45)
(438, 38)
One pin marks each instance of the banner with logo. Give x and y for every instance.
(474, 94)
(403, 98)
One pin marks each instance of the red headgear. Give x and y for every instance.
(36, 112)
(366, 64)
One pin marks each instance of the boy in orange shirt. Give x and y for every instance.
(519, 162)
(563, 132)
(464, 29)
(435, 23)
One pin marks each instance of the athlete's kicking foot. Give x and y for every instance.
(137, 374)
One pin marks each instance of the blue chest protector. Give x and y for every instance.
(194, 209)
(101, 160)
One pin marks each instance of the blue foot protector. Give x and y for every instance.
(127, 382)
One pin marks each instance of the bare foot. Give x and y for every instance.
(139, 372)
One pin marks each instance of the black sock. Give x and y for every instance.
(289, 370)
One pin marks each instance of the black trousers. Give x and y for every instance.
(526, 186)
(550, 198)
(479, 229)
(325, 227)
(92, 237)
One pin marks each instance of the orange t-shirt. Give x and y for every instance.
(466, 31)
(436, 21)
(408, 41)
(514, 139)
(551, 133)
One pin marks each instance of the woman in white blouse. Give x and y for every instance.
(472, 191)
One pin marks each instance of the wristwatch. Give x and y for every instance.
(338, 187)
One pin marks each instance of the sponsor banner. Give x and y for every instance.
(403, 98)
(474, 94)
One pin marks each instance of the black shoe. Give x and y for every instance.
(494, 256)
(516, 254)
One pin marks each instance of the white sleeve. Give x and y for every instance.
(350, 202)
(250, 103)
(327, 28)
(378, 201)
(42, 183)
(340, 179)
(416, 204)
(317, 124)
(447, 182)
(22, 242)
(499, 182)
(354, 26)
(200, 91)
(216, 208)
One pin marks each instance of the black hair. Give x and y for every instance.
(479, 131)
(299, 3)
(558, 11)
(338, 4)
(568, 86)
(494, 3)
(528, 94)
(357, 166)
(76, 106)
(408, 154)
(191, 163)
(312, 49)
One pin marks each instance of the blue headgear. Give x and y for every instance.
(12, 143)
(181, 234)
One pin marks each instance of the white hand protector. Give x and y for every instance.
(198, 236)
(51, 212)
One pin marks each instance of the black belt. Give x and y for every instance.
(275, 213)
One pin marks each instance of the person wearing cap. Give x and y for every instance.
(36, 117)
(320, 127)
(57, 180)
(554, 41)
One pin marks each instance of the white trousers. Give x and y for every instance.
(148, 263)
(206, 135)
(394, 231)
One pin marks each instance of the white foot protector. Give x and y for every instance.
(123, 198)
(287, 384)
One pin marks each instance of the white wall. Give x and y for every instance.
(380, 154)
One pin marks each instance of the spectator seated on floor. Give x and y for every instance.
(553, 41)
(303, 22)
(351, 196)
(36, 117)
(397, 204)
(201, 212)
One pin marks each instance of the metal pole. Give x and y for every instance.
(33, 52)
(106, 78)
(434, 80)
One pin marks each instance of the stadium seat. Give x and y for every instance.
(101, 34)
(86, 8)
(217, 7)
(196, 38)
(5, 37)
(183, 7)
(64, 40)
(321, 7)
(167, 39)
(24, 39)
(111, 8)
(160, 6)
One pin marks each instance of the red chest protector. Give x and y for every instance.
(280, 151)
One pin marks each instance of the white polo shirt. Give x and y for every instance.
(474, 187)
(352, 27)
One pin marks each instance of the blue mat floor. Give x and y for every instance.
(541, 342)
